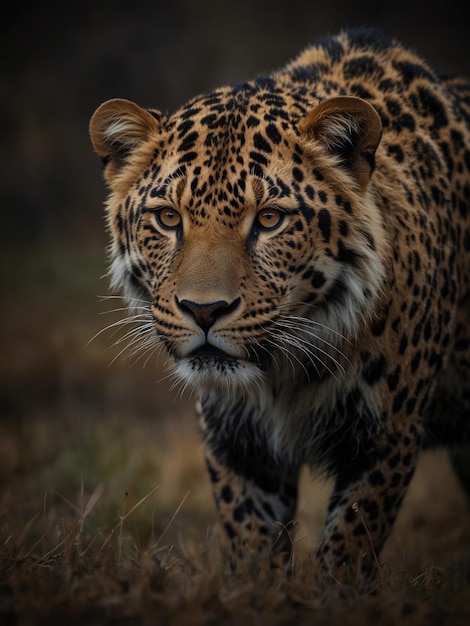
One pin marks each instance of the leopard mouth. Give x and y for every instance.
(209, 368)
(208, 353)
(209, 356)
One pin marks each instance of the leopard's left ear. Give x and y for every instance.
(348, 127)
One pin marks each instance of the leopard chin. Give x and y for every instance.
(208, 370)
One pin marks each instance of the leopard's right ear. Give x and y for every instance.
(117, 128)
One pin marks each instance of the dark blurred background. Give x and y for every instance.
(58, 63)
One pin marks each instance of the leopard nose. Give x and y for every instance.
(206, 314)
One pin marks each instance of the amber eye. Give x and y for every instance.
(269, 219)
(168, 218)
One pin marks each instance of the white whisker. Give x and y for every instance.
(307, 321)
(114, 325)
(274, 341)
(135, 333)
(299, 337)
(141, 339)
(316, 347)
(117, 297)
(126, 309)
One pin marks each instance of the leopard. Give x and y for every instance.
(298, 245)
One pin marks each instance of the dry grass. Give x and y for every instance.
(106, 515)
(110, 523)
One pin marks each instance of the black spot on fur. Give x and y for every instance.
(324, 224)
(374, 370)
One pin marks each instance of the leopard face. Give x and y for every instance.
(250, 232)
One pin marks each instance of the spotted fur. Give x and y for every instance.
(300, 244)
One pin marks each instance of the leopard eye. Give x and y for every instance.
(269, 219)
(168, 218)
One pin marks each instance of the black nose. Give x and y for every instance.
(207, 313)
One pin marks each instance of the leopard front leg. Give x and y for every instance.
(256, 519)
(255, 493)
(363, 508)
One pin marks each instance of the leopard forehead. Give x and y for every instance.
(232, 112)
(222, 141)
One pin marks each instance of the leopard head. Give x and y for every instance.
(246, 224)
